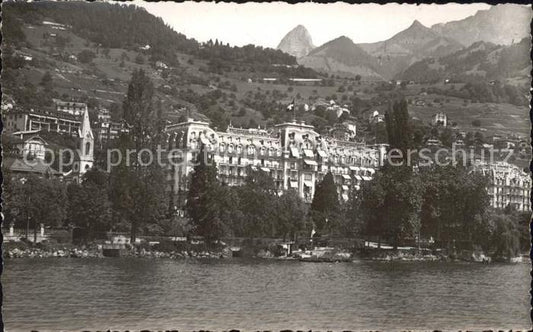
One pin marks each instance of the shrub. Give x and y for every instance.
(139, 59)
(86, 56)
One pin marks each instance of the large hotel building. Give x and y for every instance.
(293, 154)
(509, 185)
(297, 157)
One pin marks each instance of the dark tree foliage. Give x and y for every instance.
(86, 56)
(325, 208)
(399, 129)
(34, 199)
(140, 184)
(88, 205)
(203, 200)
(258, 201)
(391, 204)
(454, 199)
(221, 55)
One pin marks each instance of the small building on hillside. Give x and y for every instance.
(160, 65)
(71, 107)
(440, 119)
(345, 131)
(25, 144)
(103, 115)
(433, 142)
(375, 117)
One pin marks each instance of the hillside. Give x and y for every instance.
(86, 63)
(481, 62)
(341, 56)
(501, 24)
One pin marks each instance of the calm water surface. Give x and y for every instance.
(135, 293)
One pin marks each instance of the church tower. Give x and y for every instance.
(85, 159)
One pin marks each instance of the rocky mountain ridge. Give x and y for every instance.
(297, 42)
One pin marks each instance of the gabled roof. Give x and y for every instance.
(32, 166)
(23, 136)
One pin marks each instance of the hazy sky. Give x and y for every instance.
(265, 24)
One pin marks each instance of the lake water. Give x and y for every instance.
(136, 293)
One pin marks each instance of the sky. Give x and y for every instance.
(265, 24)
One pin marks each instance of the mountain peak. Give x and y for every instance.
(343, 39)
(417, 24)
(300, 27)
(416, 31)
(297, 42)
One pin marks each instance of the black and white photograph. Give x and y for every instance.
(204, 166)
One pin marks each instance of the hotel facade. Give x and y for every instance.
(293, 154)
(509, 185)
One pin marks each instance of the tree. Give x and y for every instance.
(86, 56)
(291, 213)
(402, 203)
(88, 204)
(257, 197)
(479, 139)
(139, 59)
(325, 207)
(231, 211)
(141, 182)
(506, 237)
(469, 139)
(203, 205)
(34, 200)
(446, 137)
(353, 215)
(399, 130)
(46, 80)
(391, 204)
(455, 204)
(372, 201)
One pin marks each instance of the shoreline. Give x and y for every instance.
(95, 252)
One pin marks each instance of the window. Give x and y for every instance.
(251, 149)
(87, 148)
